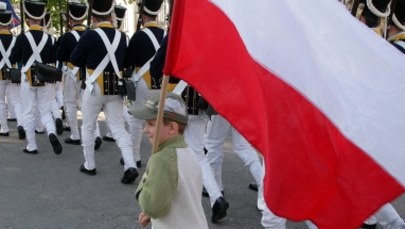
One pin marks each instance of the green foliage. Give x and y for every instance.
(56, 8)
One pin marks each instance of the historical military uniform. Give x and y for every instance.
(218, 129)
(74, 75)
(7, 41)
(102, 52)
(32, 47)
(119, 16)
(57, 93)
(142, 47)
(398, 21)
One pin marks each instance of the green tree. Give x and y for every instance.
(57, 8)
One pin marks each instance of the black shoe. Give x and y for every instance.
(129, 176)
(72, 142)
(139, 164)
(63, 113)
(4, 134)
(30, 151)
(88, 172)
(97, 143)
(57, 147)
(39, 132)
(219, 210)
(108, 139)
(66, 128)
(369, 226)
(11, 119)
(122, 162)
(21, 132)
(59, 126)
(205, 193)
(254, 186)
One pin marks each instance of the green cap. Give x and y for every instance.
(175, 109)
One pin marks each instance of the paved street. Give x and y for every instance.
(47, 191)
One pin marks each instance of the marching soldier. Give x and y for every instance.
(396, 30)
(7, 41)
(141, 49)
(218, 129)
(119, 16)
(57, 94)
(102, 52)
(32, 47)
(76, 15)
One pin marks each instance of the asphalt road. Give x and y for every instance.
(47, 191)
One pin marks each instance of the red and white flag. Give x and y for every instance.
(320, 95)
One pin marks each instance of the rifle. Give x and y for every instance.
(67, 16)
(60, 18)
(392, 6)
(89, 14)
(139, 24)
(389, 18)
(355, 6)
(22, 15)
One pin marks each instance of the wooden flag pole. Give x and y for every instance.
(159, 119)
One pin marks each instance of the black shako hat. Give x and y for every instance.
(34, 9)
(120, 14)
(399, 11)
(376, 8)
(77, 11)
(6, 16)
(102, 7)
(151, 7)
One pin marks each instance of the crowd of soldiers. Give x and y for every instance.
(100, 66)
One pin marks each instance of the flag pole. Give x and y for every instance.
(162, 99)
(159, 119)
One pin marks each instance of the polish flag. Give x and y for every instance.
(319, 94)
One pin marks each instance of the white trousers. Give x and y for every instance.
(135, 131)
(54, 103)
(59, 94)
(72, 95)
(9, 105)
(3, 108)
(14, 102)
(112, 106)
(134, 124)
(387, 217)
(194, 136)
(36, 98)
(218, 129)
